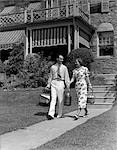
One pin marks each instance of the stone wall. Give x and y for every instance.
(105, 65)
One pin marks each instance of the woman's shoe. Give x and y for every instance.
(86, 114)
(50, 117)
(76, 117)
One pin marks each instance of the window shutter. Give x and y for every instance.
(85, 6)
(105, 6)
(43, 4)
(63, 2)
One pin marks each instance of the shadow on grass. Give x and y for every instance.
(41, 114)
(42, 104)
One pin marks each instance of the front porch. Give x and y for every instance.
(52, 28)
(65, 34)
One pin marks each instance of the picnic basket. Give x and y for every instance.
(44, 97)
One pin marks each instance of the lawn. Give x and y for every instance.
(98, 133)
(19, 109)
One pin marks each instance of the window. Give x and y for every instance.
(106, 44)
(99, 7)
(105, 6)
(95, 8)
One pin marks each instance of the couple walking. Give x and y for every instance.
(59, 78)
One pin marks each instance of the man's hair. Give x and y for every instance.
(59, 55)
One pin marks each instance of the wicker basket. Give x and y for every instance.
(90, 98)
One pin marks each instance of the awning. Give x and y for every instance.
(34, 6)
(84, 41)
(9, 38)
(105, 27)
(7, 10)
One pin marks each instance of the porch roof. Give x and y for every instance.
(9, 38)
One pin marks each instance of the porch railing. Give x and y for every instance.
(42, 15)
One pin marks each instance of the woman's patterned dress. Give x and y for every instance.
(80, 75)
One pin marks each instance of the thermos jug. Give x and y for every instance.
(67, 98)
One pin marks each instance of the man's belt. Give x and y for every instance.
(58, 79)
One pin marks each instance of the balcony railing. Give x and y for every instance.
(42, 15)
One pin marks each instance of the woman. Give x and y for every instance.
(82, 84)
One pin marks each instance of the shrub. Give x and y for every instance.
(2, 67)
(15, 60)
(32, 72)
(35, 71)
(84, 53)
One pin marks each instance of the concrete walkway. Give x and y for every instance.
(40, 133)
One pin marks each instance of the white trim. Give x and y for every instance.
(78, 37)
(26, 44)
(105, 57)
(97, 41)
(69, 40)
(30, 41)
(50, 26)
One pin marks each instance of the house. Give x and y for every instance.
(57, 26)
(103, 16)
(51, 26)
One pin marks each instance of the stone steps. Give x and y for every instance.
(104, 100)
(100, 105)
(105, 94)
(103, 88)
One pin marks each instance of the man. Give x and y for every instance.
(59, 77)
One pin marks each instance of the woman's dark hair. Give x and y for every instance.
(80, 61)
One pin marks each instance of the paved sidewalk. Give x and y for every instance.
(40, 133)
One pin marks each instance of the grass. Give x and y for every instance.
(98, 133)
(19, 109)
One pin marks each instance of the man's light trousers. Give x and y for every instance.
(57, 91)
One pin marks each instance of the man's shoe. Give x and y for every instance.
(59, 116)
(55, 115)
(76, 117)
(86, 114)
(50, 117)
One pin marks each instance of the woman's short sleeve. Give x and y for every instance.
(87, 73)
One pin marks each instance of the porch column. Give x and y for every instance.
(52, 2)
(69, 40)
(30, 41)
(97, 40)
(26, 43)
(76, 35)
(47, 9)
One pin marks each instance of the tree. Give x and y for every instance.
(84, 53)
